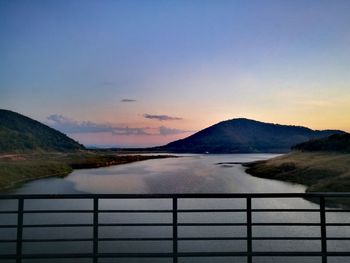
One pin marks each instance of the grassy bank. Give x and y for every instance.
(16, 169)
(320, 171)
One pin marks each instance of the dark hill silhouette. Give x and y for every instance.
(245, 136)
(333, 143)
(19, 133)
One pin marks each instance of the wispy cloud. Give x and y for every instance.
(69, 125)
(130, 131)
(169, 131)
(128, 100)
(161, 117)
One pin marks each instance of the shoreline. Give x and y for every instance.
(17, 169)
(318, 171)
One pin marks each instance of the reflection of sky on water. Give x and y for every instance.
(191, 174)
(197, 173)
(188, 174)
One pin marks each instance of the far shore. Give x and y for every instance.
(19, 168)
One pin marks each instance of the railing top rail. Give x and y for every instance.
(175, 195)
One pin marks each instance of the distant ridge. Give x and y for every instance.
(334, 143)
(19, 133)
(245, 136)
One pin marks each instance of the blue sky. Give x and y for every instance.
(88, 64)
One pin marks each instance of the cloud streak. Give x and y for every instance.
(71, 126)
(161, 117)
(67, 125)
(170, 131)
(129, 131)
(128, 100)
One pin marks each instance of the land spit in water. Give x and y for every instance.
(319, 171)
(16, 169)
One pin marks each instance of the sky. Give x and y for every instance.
(138, 73)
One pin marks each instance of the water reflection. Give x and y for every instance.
(189, 174)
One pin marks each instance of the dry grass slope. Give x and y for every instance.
(16, 169)
(320, 171)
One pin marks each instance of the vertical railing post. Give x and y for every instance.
(95, 230)
(175, 236)
(19, 230)
(323, 229)
(249, 230)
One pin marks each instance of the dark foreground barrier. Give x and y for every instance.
(173, 211)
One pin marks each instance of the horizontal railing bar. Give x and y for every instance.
(253, 238)
(286, 210)
(139, 255)
(298, 254)
(216, 238)
(169, 224)
(180, 239)
(7, 256)
(130, 255)
(137, 224)
(136, 239)
(90, 255)
(180, 254)
(210, 238)
(8, 226)
(57, 225)
(42, 211)
(338, 238)
(88, 225)
(8, 241)
(337, 210)
(286, 238)
(261, 254)
(210, 210)
(165, 196)
(299, 238)
(58, 240)
(47, 256)
(169, 211)
(212, 224)
(286, 224)
(337, 224)
(163, 211)
(169, 239)
(135, 211)
(8, 212)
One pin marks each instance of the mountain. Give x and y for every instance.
(333, 143)
(245, 136)
(19, 133)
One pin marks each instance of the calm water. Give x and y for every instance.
(188, 174)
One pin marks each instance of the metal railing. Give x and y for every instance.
(174, 224)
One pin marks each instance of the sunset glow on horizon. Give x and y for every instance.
(144, 73)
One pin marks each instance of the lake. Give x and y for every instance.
(186, 174)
